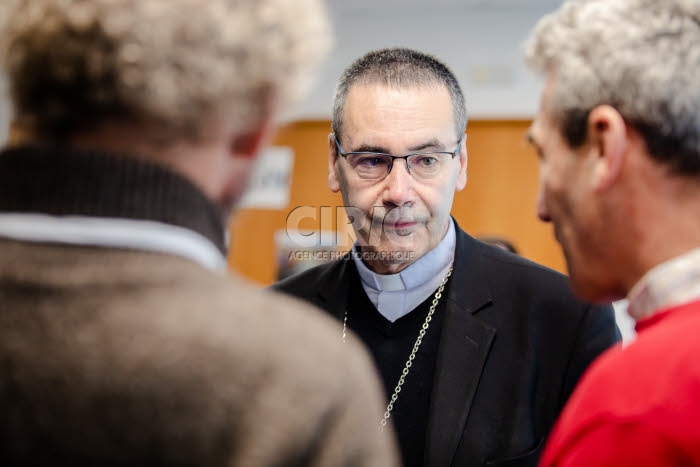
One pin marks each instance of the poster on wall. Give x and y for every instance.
(270, 182)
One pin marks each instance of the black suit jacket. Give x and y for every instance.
(514, 343)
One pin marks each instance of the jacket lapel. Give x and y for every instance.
(464, 345)
(334, 286)
(465, 342)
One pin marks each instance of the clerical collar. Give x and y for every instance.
(670, 283)
(396, 295)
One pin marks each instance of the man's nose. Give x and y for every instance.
(399, 184)
(542, 211)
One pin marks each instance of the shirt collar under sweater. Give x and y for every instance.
(92, 198)
(396, 295)
(673, 282)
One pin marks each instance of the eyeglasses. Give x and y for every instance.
(377, 165)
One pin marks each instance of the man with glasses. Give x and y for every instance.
(478, 348)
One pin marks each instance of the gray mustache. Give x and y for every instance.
(394, 215)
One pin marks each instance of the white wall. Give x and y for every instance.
(481, 45)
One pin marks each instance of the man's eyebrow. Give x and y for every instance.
(430, 144)
(370, 148)
(529, 138)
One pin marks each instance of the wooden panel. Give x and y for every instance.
(499, 198)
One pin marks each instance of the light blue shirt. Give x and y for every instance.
(396, 295)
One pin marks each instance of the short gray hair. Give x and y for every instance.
(401, 68)
(170, 65)
(641, 57)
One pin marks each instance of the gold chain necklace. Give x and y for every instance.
(412, 356)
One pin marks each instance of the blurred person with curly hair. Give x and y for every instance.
(122, 339)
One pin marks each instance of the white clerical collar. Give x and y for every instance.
(388, 282)
(395, 295)
(132, 234)
(670, 283)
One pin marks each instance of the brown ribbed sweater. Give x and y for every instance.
(118, 357)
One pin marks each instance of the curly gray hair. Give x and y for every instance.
(641, 57)
(170, 65)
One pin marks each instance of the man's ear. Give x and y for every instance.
(463, 159)
(333, 183)
(608, 134)
(247, 144)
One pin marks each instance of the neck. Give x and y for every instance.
(384, 268)
(193, 159)
(665, 222)
(438, 257)
(55, 181)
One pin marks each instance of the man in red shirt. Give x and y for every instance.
(618, 138)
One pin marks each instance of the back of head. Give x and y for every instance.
(92, 350)
(400, 68)
(639, 56)
(169, 66)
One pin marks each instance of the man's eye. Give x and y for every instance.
(371, 161)
(426, 161)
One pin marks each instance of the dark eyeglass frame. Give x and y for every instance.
(391, 164)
